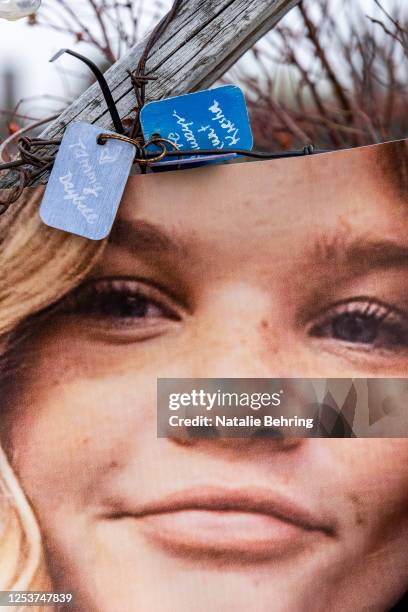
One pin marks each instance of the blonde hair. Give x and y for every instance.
(38, 265)
(21, 558)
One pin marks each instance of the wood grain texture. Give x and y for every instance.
(205, 39)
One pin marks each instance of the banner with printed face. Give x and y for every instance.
(274, 276)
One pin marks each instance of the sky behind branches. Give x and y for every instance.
(25, 51)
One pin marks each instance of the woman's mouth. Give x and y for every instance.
(244, 524)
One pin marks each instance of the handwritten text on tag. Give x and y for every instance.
(87, 182)
(212, 119)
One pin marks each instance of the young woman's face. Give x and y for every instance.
(277, 269)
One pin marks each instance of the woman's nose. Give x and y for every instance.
(238, 335)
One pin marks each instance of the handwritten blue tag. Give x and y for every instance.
(87, 182)
(212, 119)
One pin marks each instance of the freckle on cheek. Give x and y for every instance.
(359, 517)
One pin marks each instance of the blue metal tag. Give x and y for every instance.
(87, 182)
(212, 119)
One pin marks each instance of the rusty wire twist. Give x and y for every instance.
(30, 165)
(40, 164)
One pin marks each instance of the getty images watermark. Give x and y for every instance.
(220, 400)
(284, 407)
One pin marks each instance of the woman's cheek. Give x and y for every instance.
(74, 435)
(373, 474)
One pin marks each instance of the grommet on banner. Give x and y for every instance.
(308, 149)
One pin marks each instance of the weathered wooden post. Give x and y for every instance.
(200, 44)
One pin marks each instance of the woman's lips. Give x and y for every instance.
(254, 523)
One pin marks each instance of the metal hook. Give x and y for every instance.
(117, 122)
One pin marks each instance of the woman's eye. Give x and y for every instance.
(123, 306)
(363, 322)
(119, 304)
(355, 328)
(122, 300)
